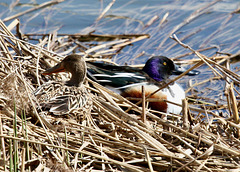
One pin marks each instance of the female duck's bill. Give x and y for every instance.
(56, 69)
(128, 81)
(66, 97)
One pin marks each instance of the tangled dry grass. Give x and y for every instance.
(114, 137)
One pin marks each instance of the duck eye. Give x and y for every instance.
(164, 63)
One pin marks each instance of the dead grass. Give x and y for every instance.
(113, 137)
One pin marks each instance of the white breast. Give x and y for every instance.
(175, 94)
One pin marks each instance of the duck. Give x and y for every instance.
(67, 97)
(128, 81)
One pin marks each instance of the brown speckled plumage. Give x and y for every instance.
(66, 97)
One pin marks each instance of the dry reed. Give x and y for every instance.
(111, 138)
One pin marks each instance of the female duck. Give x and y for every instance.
(65, 97)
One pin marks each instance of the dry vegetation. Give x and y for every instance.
(114, 137)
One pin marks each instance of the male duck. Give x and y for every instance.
(65, 97)
(128, 81)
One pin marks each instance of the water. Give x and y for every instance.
(128, 16)
(216, 27)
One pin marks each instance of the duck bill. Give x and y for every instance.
(56, 69)
(179, 70)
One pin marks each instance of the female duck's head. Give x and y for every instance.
(74, 64)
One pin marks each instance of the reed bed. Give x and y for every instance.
(118, 135)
